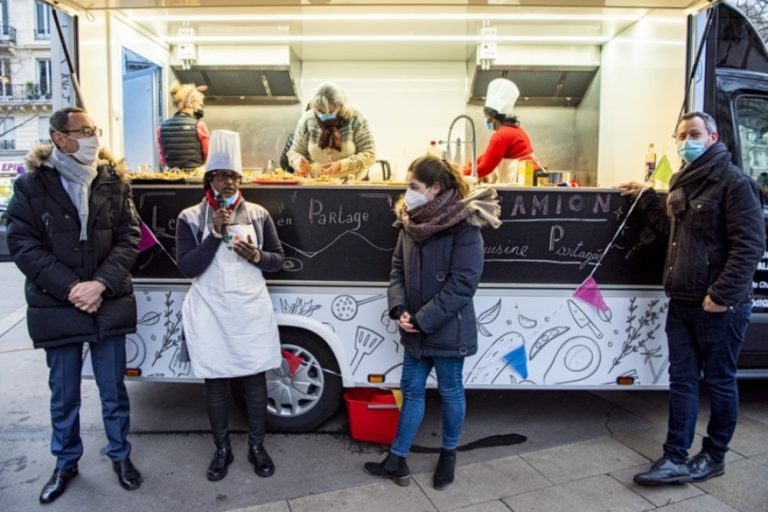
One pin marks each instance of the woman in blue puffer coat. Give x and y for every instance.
(436, 269)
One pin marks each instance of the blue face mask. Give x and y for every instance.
(227, 201)
(326, 117)
(690, 150)
(489, 124)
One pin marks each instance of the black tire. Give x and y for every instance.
(320, 364)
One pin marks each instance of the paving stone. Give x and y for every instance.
(700, 504)
(743, 486)
(762, 459)
(580, 460)
(659, 496)
(275, 506)
(755, 411)
(488, 506)
(484, 481)
(646, 441)
(381, 497)
(750, 438)
(636, 405)
(596, 494)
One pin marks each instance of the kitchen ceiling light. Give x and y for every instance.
(384, 39)
(249, 18)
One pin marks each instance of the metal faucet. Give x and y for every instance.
(473, 142)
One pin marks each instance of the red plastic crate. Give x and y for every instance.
(373, 415)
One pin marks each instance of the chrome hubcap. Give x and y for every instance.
(291, 396)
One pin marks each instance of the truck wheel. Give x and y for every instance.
(303, 401)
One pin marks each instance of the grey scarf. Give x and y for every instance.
(78, 178)
(484, 203)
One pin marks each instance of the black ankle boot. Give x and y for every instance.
(444, 473)
(393, 467)
(262, 462)
(223, 457)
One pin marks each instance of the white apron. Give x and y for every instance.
(506, 171)
(229, 323)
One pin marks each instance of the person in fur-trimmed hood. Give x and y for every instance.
(74, 233)
(436, 269)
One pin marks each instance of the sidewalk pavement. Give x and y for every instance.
(616, 440)
(587, 476)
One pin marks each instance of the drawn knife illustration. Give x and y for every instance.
(582, 320)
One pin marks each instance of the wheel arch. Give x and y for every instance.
(327, 336)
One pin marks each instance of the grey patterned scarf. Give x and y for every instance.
(78, 178)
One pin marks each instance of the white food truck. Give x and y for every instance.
(598, 85)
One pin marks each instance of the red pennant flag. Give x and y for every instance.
(293, 361)
(590, 293)
(148, 238)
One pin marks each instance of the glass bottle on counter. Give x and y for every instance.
(433, 149)
(650, 162)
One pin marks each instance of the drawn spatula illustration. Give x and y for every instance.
(582, 320)
(366, 341)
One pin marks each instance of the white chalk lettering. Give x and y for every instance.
(337, 216)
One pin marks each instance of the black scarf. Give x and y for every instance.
(686, 181)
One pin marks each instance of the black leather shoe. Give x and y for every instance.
(217, 469)
(664, 471)
(56, 486)
(128, 476)
(262, 462)
(393, 467)
(703, 467)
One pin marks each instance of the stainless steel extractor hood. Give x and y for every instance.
(242, 85)
(550, 86)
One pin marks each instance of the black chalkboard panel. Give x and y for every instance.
(344, 234)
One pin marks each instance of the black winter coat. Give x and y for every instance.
(436, 281)
(44, 241)
(716, 243)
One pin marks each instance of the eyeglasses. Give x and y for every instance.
(227, 176)
(87, 131)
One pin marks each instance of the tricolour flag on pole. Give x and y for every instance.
(663, 171)
(590, 293)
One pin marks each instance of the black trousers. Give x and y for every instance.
(217, 402)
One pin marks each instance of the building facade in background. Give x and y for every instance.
(25, 81)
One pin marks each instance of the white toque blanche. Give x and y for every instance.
(502, 95)
(224, 152)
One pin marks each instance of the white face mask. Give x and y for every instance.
(414, 199)
(88, 151)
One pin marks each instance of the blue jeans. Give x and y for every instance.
(413, 383)
(66, 363)
(703, 342)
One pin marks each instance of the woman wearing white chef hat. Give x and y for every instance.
(224, 243)
(508, 142)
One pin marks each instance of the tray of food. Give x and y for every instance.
(282, 181)
(277, 177)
